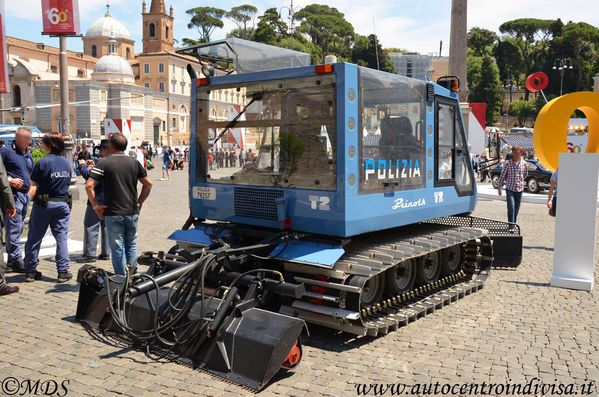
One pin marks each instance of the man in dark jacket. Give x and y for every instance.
(93, 226)
(8, 205)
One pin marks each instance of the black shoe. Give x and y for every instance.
(17, 267)
(32, 276)
(103, 257)
(86, 259)
(63, 277)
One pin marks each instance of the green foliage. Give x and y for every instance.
(292, 150)
(395, 49)
(364, 53)
(531, 38)
(328, 29)
(480, 41)
(485, 85)
(243, 16)
(205, 20)
(38, 154)
(271, 29)
(522, 110)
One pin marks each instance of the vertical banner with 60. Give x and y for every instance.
(60, 17)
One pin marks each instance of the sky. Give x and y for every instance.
(414, 25)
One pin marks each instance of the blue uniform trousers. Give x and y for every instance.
(14, 227)
(92, 226)
(56, 215)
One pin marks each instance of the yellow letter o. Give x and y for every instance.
(551, 126)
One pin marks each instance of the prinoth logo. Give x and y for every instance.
(403, 203)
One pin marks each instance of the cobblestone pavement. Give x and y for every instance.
(514, 329)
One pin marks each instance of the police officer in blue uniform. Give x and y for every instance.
(19, 164)
(49, 190)
(93, 226)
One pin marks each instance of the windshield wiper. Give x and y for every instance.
(255, 97)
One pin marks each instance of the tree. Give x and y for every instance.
(531, 37)
(327, 29)
(580, 37)
(522, 109)
(364, 53)
(508, 60)
(486, 86)
(271, 29)
(480, 41)
(205, 20)
(243, 16)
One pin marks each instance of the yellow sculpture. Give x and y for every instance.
(551, 126)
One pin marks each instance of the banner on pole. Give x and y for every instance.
(60, 17)
(4, 86)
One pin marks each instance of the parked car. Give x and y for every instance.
(537, 179)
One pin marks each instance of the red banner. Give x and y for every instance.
(4, 86)
(60, 16)
(479, 110)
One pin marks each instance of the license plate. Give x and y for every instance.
(204, 193)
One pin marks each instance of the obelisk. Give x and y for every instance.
(458, 45)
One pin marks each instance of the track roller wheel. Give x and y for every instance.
(453, 258)
(372, 291)
(400, 279)
(429, 268)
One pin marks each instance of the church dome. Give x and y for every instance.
(108, 26)
(113, 68)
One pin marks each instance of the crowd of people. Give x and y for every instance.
(112, 209)
(229, 158)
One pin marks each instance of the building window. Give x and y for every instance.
(409, 69)
(146, 68)
(163, 125)
(54, 68)
(161, 67)
(174, 122)
(173, 68)
(152, 30)
(94, 51)
(161, 86)
(16, 91)
(80, 73)
(128, 53)
(147, 84)
(103, 95)
(182, 71)
(56, 95)
(182, 88)
(173, 87)
(166, 34)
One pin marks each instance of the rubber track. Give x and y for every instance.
(379, 254)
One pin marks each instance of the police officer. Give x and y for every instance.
(19, 164)
(92, 224)
(50, 182)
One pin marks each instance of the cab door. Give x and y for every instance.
(452, 160)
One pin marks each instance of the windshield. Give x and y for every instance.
(270, 133)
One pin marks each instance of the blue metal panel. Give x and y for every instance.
(367, 213)
(346, 135)
(197, 236)
(308, 252)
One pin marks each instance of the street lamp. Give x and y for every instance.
(562, 64)
(509, 84)
(291, 10)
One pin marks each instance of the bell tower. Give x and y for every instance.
(157, 27)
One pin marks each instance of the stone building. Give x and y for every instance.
(151, 88)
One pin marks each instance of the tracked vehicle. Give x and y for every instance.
(350, 211)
